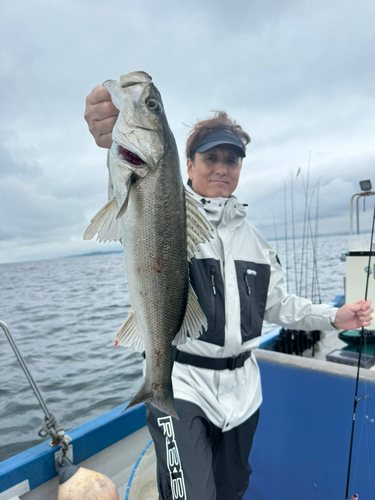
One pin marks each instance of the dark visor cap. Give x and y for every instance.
(220, 137)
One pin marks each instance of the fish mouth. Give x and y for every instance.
(128, 156)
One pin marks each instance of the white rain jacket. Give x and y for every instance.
(239, 281)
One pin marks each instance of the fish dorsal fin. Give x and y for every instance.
(194, 320)
(199, 230)
(129, 334)
(105, 224)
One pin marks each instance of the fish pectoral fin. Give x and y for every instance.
(199, 230)
(194, 321)
(105, 224)
(129, 334)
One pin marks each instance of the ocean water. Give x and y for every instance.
(64, 313)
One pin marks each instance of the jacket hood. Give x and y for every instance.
(227, 211)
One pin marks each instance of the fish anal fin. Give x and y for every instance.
(129, 334)
(104, 223)
(194, 320)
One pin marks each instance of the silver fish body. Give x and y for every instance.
(159, 225)
(154, 242)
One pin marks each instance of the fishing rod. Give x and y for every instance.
(274, 227)
(362, 338)
(286, 240)
(307, 231)
(293, 231)
(315, 246)
(308, 221)
(304, 225)
(314, 241)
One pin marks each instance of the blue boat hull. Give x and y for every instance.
(300, 449)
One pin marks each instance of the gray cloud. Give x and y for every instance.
(297, 76)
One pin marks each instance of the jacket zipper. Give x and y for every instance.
(213, 296)
(213, 272)
(248, 290)
(247, 283)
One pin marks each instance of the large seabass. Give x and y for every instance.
(159, 225)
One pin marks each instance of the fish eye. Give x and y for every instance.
(152, 104)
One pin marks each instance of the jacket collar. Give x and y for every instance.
(228, 212)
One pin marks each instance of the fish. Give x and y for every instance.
(160, 226)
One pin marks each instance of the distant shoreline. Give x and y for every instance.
(90, 254)
(98, 253)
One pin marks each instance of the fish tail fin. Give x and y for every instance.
(162, 403)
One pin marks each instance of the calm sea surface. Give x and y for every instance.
(64, 313)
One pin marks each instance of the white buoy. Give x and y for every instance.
(78, 483)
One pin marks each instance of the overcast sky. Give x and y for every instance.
(297, 75)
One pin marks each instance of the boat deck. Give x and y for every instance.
(300, 449)
(116, 461)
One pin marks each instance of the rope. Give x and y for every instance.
(51, 427)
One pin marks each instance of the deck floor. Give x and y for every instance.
(116, 461)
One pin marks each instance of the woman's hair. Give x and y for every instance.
(220, 121)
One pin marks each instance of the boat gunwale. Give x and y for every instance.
(313, 365)
(87, 440)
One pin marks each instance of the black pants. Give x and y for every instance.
(195, 459)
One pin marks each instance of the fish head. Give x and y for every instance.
(141, 132)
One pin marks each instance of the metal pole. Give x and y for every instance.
(23, 364)
(357, 212)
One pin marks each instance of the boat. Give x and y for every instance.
(301, 447)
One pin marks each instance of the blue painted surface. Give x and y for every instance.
(301, 447)
(269, 338)
(37, 464)
(338, 301)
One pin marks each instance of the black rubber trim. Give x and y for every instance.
(252, 280)
(212, 363)
(361, 254)
(208, 284)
